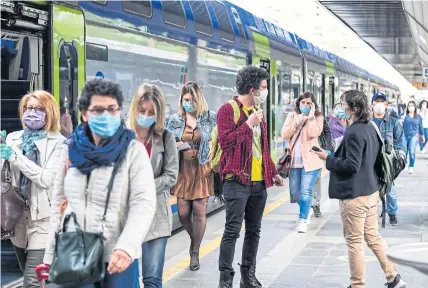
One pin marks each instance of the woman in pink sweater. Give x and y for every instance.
(302, 128)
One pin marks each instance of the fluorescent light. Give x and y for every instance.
(423, 39)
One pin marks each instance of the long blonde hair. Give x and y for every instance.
(193, 89)
(154, 94)
(48, 103)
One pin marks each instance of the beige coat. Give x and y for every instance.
(33, 226)
(309, 138)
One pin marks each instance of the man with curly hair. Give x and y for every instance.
(247, 170)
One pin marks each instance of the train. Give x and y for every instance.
(58, 45)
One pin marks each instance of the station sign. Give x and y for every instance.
(420, 84)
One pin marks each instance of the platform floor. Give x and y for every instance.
(315, 259)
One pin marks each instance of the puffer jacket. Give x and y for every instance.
(130, 211)
(31, 231)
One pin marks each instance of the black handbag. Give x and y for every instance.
(13, 203)
(79, 255)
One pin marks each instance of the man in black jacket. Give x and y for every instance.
(353, 180)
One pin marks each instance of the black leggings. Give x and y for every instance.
(28, 261)
(195, 227)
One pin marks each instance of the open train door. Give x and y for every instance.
(68, 55)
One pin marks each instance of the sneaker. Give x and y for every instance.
(393, 220)
(302, 228)
(317, 211)
(397, 283)
(423, 151)
(411, 170)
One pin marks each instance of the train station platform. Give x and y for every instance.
(315, 259)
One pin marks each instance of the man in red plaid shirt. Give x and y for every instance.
(248, 170)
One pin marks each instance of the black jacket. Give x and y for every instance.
(352, 169)
(325, 138)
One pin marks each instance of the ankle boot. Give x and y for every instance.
(226, 279)
(248, 277)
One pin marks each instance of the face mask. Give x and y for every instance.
(411, 109)
(304, 109)
(146, 121)
(262, 97)
(104, 125)
(390, 109)
(424, 107)
(34, 120)
(379, 108)
(188, 107)
(342, 114)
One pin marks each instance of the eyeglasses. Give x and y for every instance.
(34, 108)
(98, 110)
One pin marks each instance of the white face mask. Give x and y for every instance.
(379, 108)
(262, 98)
(411, 109)
(424, 107)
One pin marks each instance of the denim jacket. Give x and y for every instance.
(392, 130)
(205, 123)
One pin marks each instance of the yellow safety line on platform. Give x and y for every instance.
(214, 244)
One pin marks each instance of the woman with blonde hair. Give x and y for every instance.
(192, 127)
(147, 119)
(35, 155)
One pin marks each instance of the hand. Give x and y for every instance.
(423, 139)
(278, 180)
(119, 262)
(255, 118)
(322, 154)
(5, 151)
(179, 144)
(312, 112)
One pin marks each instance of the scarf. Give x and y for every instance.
(30, 150)
(86, 156)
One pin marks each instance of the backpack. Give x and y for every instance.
(215, 149)
(216, 152)
(388, 166)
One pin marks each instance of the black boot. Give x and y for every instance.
(226, 279)
(248, 277)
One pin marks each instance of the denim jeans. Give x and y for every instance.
(391, 202)
(153, 261)
(242, 202)
(422, 145)
(127, 278)
(301, 189)
(412, 142)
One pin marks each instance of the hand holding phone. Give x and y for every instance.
(316, 149)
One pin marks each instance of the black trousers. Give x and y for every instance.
(242, 202)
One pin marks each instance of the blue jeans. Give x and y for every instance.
(153, 261)
(412, 142)
(426, 139)
(127, 278)
(301, 189)
(391, 202)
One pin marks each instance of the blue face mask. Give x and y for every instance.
(188, 107)
(340, 113)
(304, 109)
(104, 125)
(390, 109)
(146, 121)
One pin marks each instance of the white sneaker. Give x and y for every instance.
(302, 228)
(423, 151)
(411, 170)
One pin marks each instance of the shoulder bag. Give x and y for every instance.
(79, 255)
(284, 163)
(13, 203)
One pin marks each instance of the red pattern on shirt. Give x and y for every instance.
(148, 148)
(236, 143)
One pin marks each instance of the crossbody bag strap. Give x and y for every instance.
(300, 131)
(109, 188)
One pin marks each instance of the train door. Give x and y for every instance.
(68, 52)
(267, 106)
(328, 99)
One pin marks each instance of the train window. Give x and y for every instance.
(100, 2)
(202, 18)
(96, 52)
(173, 13)
(141, 8)
(240, 28)
(226, 31)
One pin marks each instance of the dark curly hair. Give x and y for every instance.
(358, 102)
(420, 104)
(303, 96)
(250, 77)
(99, 87)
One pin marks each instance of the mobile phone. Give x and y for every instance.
(316, 149)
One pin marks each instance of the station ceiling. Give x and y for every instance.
(396, 30)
